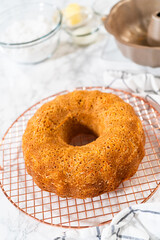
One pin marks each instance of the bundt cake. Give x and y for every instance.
(88, 170)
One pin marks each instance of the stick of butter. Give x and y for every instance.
(72, 13)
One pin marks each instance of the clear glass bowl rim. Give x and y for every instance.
(96, 29)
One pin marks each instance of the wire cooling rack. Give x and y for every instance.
(47, 207)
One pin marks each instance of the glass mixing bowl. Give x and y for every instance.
(86, 32)
(29, 32)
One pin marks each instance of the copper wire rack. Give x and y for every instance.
(47, 207)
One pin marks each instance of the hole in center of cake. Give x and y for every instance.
(158, 14)
(82, 136)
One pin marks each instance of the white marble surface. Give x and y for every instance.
(21, 86)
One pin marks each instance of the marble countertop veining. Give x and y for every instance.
(21, 86)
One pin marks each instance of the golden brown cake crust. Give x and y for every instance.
(91, 169)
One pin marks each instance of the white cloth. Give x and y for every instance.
(139, 222)
(142, 84)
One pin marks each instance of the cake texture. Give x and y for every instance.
(88, 170)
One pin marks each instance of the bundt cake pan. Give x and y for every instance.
(128, 22)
